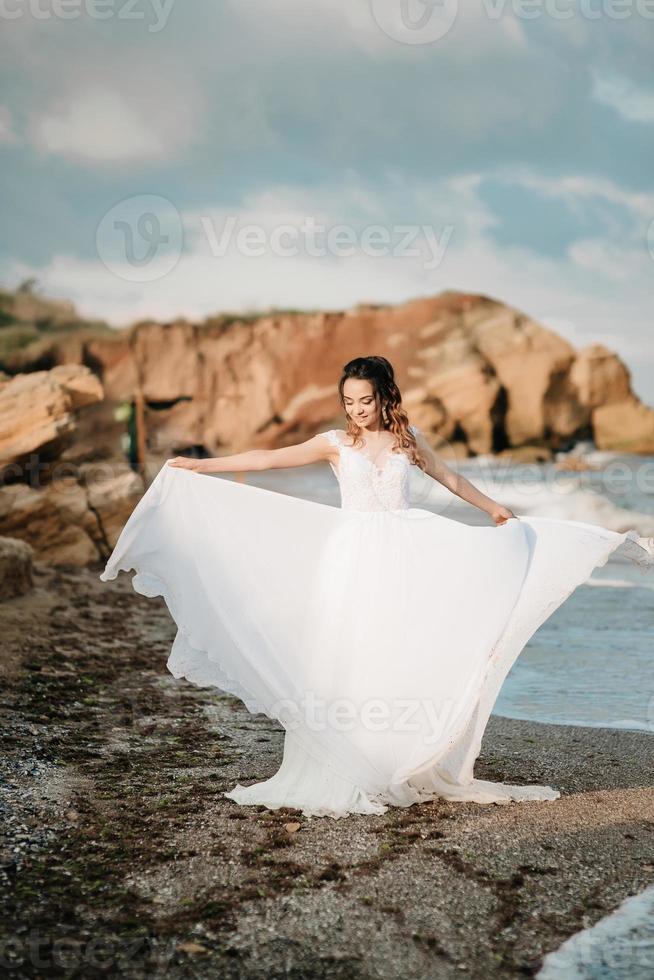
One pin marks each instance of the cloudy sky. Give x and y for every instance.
(163, 158)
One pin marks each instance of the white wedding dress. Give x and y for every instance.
(377, 634)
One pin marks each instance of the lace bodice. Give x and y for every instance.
(367, 484)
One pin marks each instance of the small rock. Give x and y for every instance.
(192, 948)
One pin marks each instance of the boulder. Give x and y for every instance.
(112, 493)
(600, 377)
(626, 426)
(531, 363)
(72, 519)
(54, 520)
(15, 568)
(527, 454)
(79, 383)
(37, 412)
(458, 380)
(620, 421)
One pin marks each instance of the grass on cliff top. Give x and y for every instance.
(26, 318)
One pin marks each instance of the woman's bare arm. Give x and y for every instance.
(314, 450)
(459, 485)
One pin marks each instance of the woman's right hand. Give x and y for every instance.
(188, 463)
(502, 514)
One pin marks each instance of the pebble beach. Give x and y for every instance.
(119, 848)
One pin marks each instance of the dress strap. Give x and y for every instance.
(333, 436)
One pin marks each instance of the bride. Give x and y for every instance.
(378, 634)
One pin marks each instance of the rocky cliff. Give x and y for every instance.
(61, 491)
(476, 375)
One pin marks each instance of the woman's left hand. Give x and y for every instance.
(502, 514)
(187, 463)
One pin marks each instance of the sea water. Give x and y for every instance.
(592, 662)
(618, 947)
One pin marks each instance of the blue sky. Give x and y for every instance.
(168, 158)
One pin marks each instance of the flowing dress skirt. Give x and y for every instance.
(378, 639)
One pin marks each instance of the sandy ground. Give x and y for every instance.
(120, 856)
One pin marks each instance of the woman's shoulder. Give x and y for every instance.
(334, 436)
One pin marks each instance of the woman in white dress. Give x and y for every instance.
(378, 634)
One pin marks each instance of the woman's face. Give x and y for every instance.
(361, 403)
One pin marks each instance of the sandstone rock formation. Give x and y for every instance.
(476, 376)
(37, 411)
(57, 493)
(626, 426)
(474, 373)
(619, 420)
(74, 519)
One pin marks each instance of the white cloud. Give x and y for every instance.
(577, 189)
(121, 119)
(633, 103)
(367, 26)
(602, 295)
(98, 125)
(617, 262)
(7, 133)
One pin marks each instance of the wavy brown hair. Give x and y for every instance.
(379, 372)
